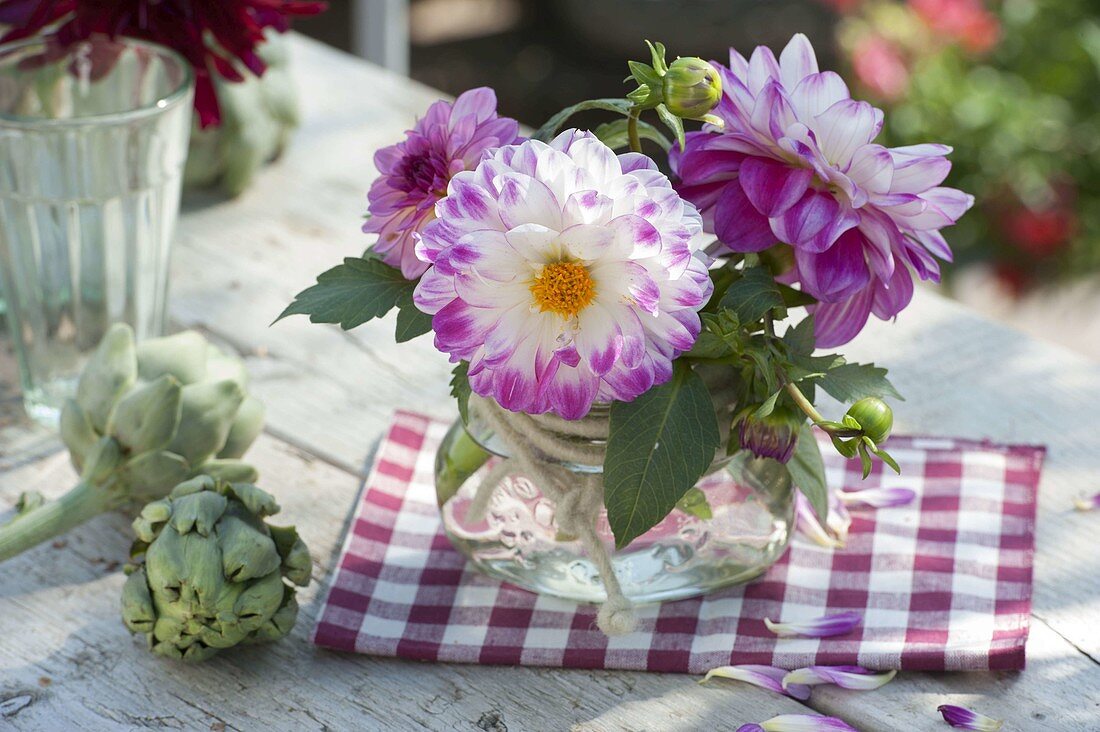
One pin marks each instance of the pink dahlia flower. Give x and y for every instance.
(415, 173)
(564, 274)
(796, 163)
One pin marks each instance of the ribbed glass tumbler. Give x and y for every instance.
(93, 140)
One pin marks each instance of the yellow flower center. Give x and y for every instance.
(564, 288)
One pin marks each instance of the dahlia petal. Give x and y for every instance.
(843, 128)
(917, 175)
(598, 339)
(433, 292)
(572, 390)
(531, 240)
(596, 159)
(816, 93)
(479, 104)
(935, 243)
(470, 203)
(826, 626)
(805, 723)
(525, 200)
(837, 273)
(880, 235)
(763, 68)
(922, 151)
(813, 223)
(963, 718)
(797, 61)
(837, 323)
(872, 169)
(846, 677)
(808, 526)
(460, 328)
(771, 186)
(766, 677)
(878, 497)
(1086, 502)
(773, 113)
(635, 235)
(750, 727)
(892, 295)
(588, 242)
(738, 225)
(587, 207)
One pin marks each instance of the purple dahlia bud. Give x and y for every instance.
(875, 418)
(691, 88)
(773, 436)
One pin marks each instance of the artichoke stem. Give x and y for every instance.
(52, 518)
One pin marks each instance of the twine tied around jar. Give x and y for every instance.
(538, 444)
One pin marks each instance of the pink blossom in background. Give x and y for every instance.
(966, 21)
(880, 67)
(415, 172)
(564, 274)
(796, 163)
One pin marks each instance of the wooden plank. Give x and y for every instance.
(68, 663)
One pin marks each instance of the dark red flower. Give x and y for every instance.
(210, 34)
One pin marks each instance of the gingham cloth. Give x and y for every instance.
(943, 584)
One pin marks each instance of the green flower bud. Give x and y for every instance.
(875, 418)
(691, 88)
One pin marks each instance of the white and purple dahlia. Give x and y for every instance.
(564, 274)
(415, 172)
(796, 163)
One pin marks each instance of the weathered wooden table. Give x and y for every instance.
(66, 661)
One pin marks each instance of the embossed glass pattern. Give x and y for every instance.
(728, 530)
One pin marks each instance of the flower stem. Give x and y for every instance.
(53, 518)
(632, 130)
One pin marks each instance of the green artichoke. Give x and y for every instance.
(258, 115)
(145, 417)
(210, 573)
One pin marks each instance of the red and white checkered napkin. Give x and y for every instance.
(944, 583)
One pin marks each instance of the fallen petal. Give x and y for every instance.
(810, 527)
(751, 727)
(766, 677)
(806, 723)
(823, 627)
(1087, 503)
(846, 677)
(963, 718)
(878, 497)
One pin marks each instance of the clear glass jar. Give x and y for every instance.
(733, 525)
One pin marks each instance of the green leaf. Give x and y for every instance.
(800, 337)
(753, 295)
(852, 381)
(808, 472)
(793, 298)
(411, 320)
(865, 460)
(672, 122)
(659, 446)
(460, 389)
(547, 132)
(768, 406)
(614, 134)
(351, 293)
(888, 459)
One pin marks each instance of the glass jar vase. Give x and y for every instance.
(728, 529)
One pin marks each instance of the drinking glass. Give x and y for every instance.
(93, 140)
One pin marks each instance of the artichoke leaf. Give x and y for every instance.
(247, 426)
(208, 411)
(152, 475)
(137, 604)
(256, 500)
(147, 418)
(197, 512)
(247, 551)
(281, 622)
(77, 433)
(102, 460)
(182, 355)
(111, 370)
(259, 601)
(297, 563)
(222, 366)
(231, 471)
